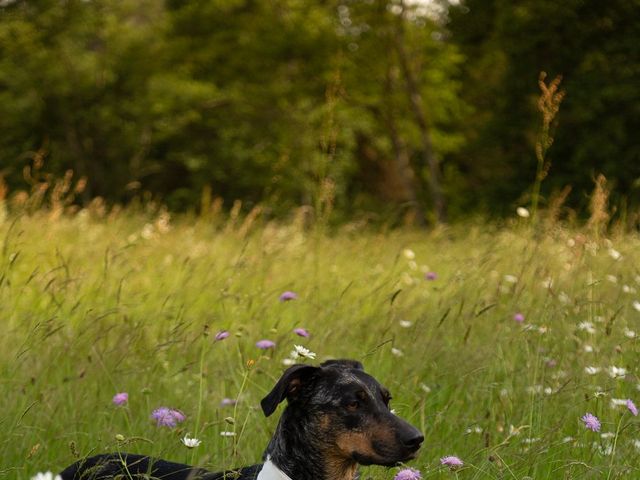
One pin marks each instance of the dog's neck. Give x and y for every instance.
(297, 449)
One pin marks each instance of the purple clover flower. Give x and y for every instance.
(451, 461)
(518, 317)
(221, 335)
(408, 474)
(632, 407)
(591, 422)
(167, 417)
(303, 332)
(265, 344)
(288, 295)
(431, 276)
(120, 399)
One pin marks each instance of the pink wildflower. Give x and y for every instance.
(408, 474)
(120, 399)
(451, 462)
(591, 422)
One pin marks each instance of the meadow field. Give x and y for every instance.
(495, 340)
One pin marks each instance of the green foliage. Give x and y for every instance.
(270, 101)
(594, 46)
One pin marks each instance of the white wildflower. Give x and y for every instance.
(617, 372)
(409, 254)
(628, 289)
(302, 352)
(592, 370)
(397, 352)
(629, 333)
(613, 253)
(605, 450)
(405, 323)
(636, 443)
(227, 434)
(523, 212)
(147, 231)
(636, 305)
(587, 327)
(567, 440)
(190, 442)
(426, 389)
(618, 402)
(588, 348)
(599, 393)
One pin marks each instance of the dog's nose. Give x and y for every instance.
(413, 442)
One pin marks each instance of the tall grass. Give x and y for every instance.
(92, 305)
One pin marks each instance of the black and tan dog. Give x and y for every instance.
(337, 417)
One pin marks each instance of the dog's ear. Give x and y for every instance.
(288, 386)
(343, 363)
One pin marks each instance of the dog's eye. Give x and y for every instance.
(353, 405)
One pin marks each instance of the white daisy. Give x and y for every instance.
(190, 442)
(300, 351)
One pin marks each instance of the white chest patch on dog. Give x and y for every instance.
(271, 472)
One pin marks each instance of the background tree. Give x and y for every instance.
(391, 109)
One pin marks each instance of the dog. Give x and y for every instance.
(337, 417)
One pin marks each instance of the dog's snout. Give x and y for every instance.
(414, 441)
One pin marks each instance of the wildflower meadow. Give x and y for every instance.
(513, 347)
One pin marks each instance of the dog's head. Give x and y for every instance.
(349, 410)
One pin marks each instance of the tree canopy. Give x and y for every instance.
(397, 109)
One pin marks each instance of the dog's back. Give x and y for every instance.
(102, 467)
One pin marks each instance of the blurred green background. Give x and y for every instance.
(414, 110)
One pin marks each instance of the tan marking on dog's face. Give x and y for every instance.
(325, 422)
(339, 463)
(358, 442)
